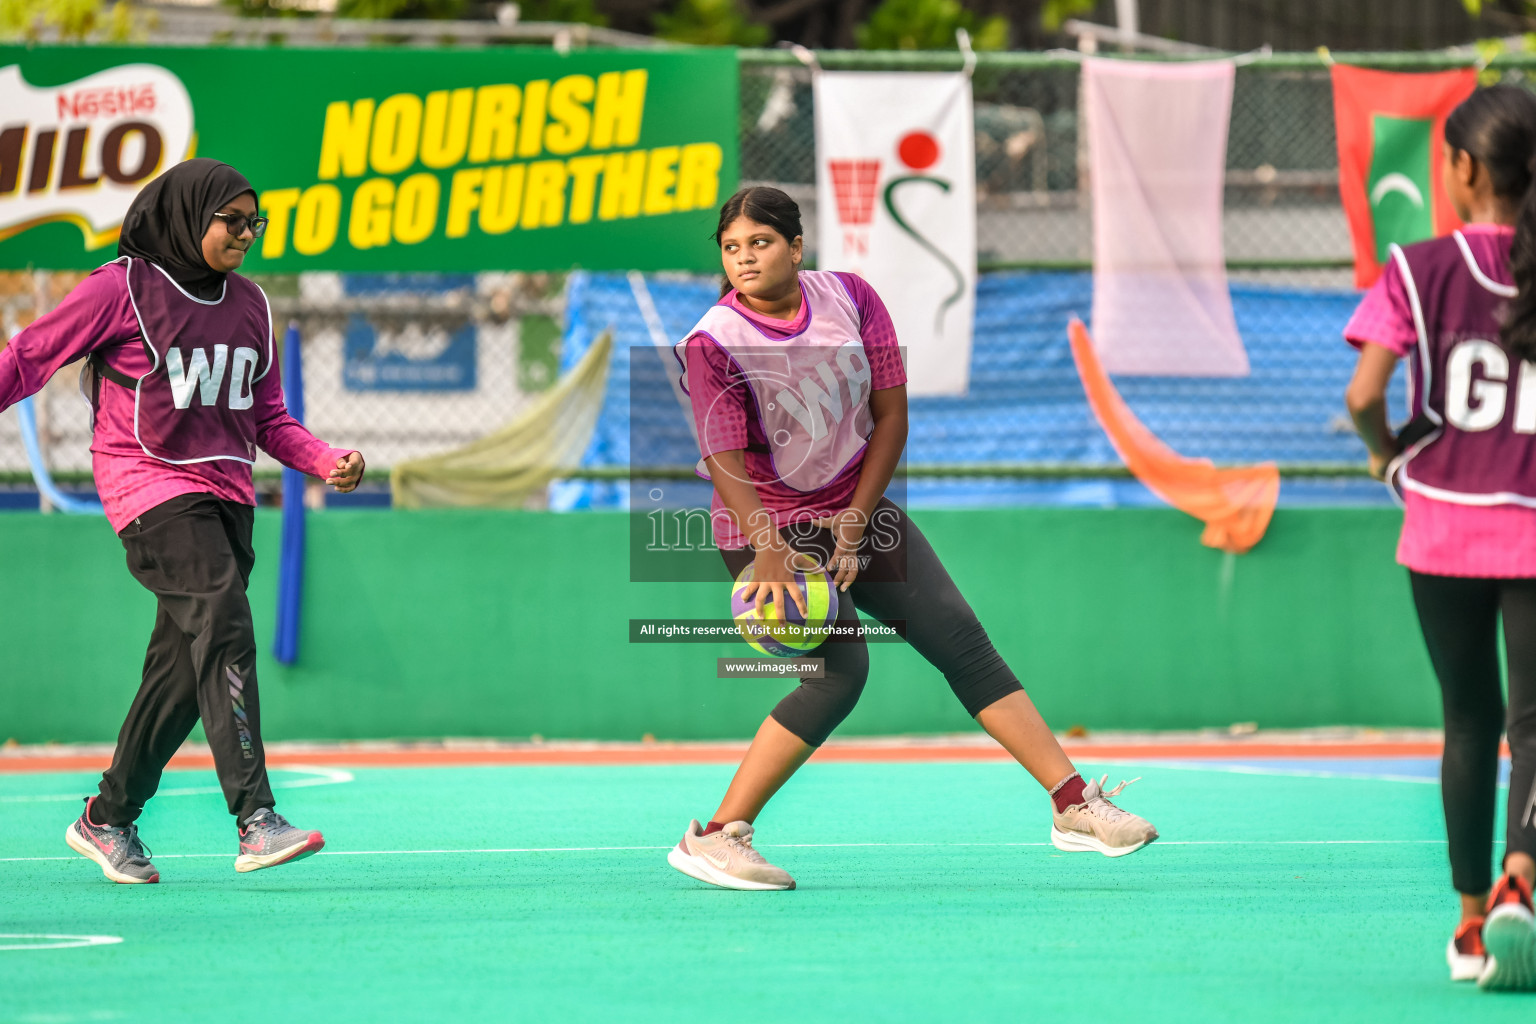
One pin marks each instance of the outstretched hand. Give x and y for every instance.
(348, 473)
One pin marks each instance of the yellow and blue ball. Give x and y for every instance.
(784, 632)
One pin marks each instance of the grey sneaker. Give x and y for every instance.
(726, 858)
(1099, 826)
(267, 840)
(121, 855)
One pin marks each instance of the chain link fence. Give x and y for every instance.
(409, 365)
(1282, 199)
(398, 365)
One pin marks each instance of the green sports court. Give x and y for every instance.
(1283, 889)
(1302, 877)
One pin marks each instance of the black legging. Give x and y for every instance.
(1460, 619)
(903, 585)
(193, 552)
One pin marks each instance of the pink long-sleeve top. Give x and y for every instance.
(727, 419)
(98, 316)
(1442, 538)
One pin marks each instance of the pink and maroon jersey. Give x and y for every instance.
(1469, 483)
(196, 402)
(792, 394)
(205, 393)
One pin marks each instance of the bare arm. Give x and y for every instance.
(728, 472)
(773, 570)
(887, 440)
(1366, 399)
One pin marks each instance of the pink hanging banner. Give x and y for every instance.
(1157, 140)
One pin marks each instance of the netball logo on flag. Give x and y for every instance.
(854, 183)
(896, 204)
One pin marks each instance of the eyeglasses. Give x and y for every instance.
(238, 222)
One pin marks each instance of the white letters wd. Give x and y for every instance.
(205, 379)
(1461, 390)
(240, 396)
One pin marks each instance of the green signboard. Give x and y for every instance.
(380, 160)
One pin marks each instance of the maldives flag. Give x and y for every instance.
(1390, 127)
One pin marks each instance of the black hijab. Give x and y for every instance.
(169, 217)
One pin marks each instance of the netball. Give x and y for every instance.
(784, 632)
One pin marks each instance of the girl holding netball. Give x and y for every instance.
(1462, 311)
(799, 397)
(182, 376)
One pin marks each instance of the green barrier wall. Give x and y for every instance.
(508, 624)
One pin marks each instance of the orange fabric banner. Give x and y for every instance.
(1235, 504)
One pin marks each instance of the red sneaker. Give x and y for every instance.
(1509, 935)
(1465, 953)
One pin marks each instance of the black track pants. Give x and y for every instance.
(194, 554)
(1460, 619)
(902, 582)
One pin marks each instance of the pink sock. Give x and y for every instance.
(713, 826)
(92, 823)
(1068, 791)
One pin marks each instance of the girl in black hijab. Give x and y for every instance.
(184, 384)
(171, 216)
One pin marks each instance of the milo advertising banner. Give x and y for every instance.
(389, 160)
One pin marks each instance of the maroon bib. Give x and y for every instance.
(196, 402)
(1477, 401)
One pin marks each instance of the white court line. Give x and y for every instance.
(335, 776)
(59, 941)
(1160, 842)
(787, 846)
(320, 777)
(1243, 769)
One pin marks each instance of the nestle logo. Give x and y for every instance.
(111, 101)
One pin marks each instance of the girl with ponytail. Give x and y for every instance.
(797, 390)
(1462, 311)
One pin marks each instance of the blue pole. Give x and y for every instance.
(290, 573)
(40, 474)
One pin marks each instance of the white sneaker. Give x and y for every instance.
(1465, 953)
(726, 858)
(1509, 936)
(1098, 826)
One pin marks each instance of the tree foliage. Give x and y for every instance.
(384, 10)
(928, 25)
(74, 20)
(710, 23)
(1054, 12)
(582, 11)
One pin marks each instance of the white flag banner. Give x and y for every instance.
(1157, 142)
(896, 204)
